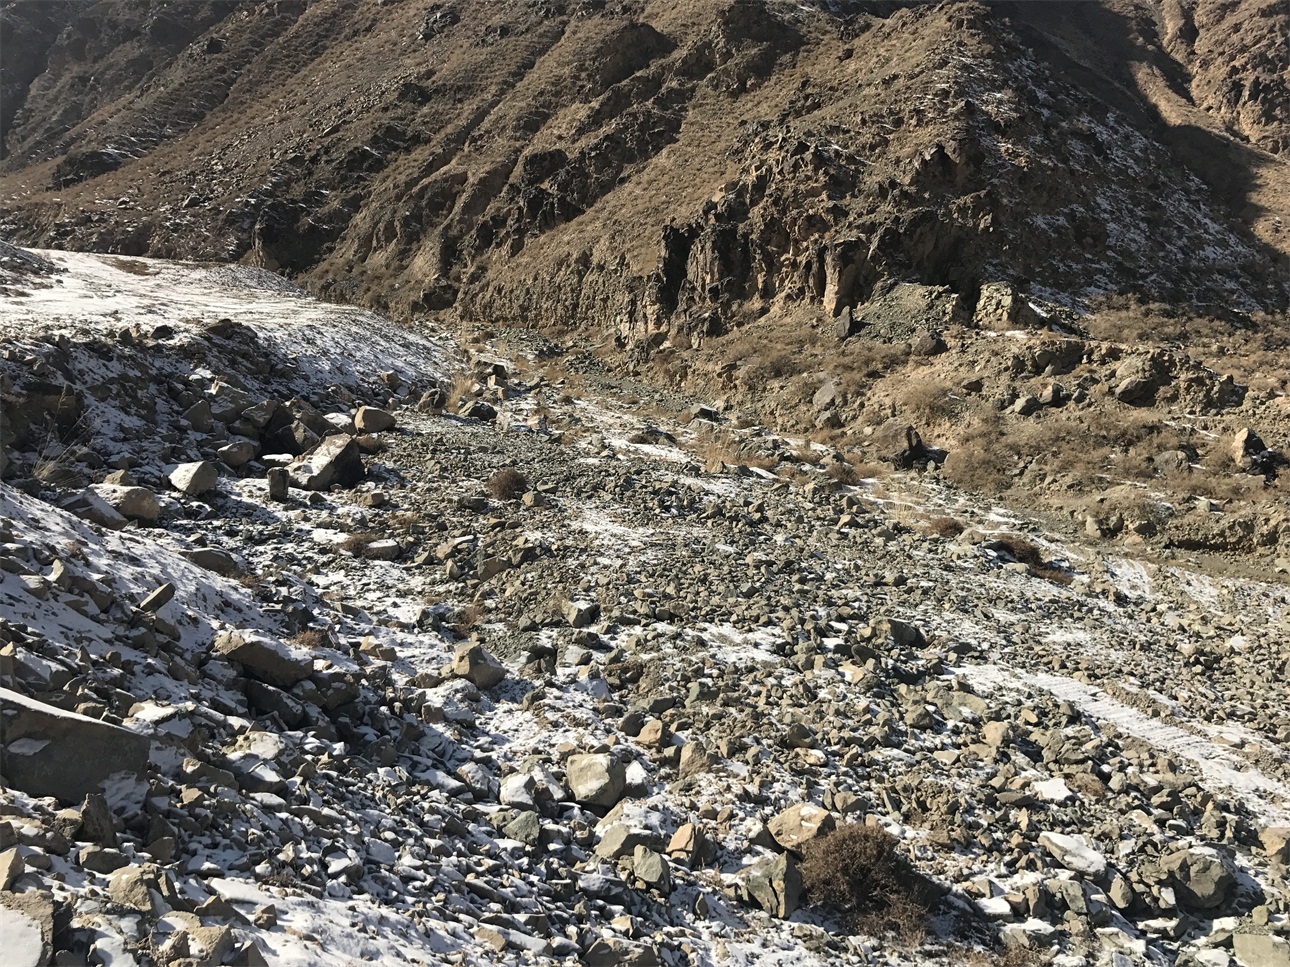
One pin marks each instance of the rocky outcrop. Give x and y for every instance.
(51, 752)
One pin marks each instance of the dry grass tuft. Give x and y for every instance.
(508, 484)
(1024, 552)
(311, 639)
(860, 872)
(944, 527)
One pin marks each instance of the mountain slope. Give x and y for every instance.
(665, 172)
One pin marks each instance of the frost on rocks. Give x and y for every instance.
(380, 716)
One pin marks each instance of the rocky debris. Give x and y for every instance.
(328, 748)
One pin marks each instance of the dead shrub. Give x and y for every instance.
(860, 872)
(465, 620)
(1024, 552)
(508, 484)
(311, 639)
(843, 473)
(356, 544)
(946, 527)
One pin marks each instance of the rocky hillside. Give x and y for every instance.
(317, 656)
(663, 173)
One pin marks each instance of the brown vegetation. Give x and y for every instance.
(860, 872)
(508, 484)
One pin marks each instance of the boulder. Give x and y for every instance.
(23, 944)
(263, 658)
(88, 505)
(1260, 949)
(132, 886)
(596, 779)
(800, 824)
(477, 666)
(134, 503)
(51, 752)
(652, 869)
(1203, 877)
(618, 952)
(236, 454)
(773, 884)
(370, 419)
(1074, 853)
(194, 479)
(335, 460)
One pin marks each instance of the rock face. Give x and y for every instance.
(745, 222)
(50, 752)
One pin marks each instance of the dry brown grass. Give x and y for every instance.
(356, 544)
(468, 618)
(860, 872)
(311, 639)
(508, 484)
(943, 527)
(843, 473)
(1025, 552)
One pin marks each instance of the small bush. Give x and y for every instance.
(311, 639)
(508, 484)
(356, 544)
(1024, 552)
(860, 872)
(843, 473)
(944, 527)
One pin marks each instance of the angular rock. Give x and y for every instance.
(800, 824)
(88, 505)
(336, 460)
(194, 479)
(371, 419)
(132, 886)
(618, 952)
(1259, 949)
(652, 869)
(265, 659)
(774, 884)
(595, 779)
(1074, 853)
(1203, 877)
(51, 752)
(134, 503)
(477, 666)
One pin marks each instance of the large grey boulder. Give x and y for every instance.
(263, 658)
(1204, 877)
(336, 460)
(51, 752)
